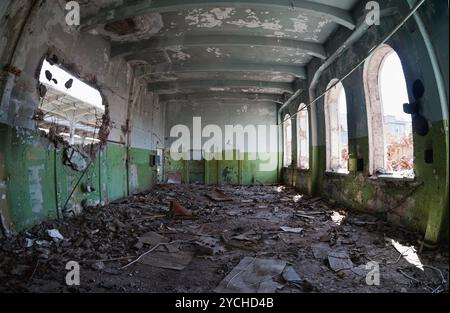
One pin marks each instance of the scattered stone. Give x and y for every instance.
(339, 261)
(320, 251)
(98, 266)
(29, 242)
(291, 276)
(209, 245)
(55, 234)
(288, 229)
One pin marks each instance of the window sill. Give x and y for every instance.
(304, 170)
(333, 173)
(392, 178)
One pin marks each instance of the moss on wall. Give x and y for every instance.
(421, 205)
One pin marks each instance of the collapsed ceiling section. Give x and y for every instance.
(216, 49)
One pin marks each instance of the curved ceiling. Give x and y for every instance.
(217, 49)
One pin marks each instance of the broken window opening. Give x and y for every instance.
(287, 140)
(391, 146)
(303, 138)
(70, 110)
(337, 153)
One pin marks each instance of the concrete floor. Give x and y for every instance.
(240, 222)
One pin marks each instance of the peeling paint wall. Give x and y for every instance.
(215, 113)
(35, 184)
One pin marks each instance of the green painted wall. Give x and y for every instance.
(420, 205)
(37, 184)
(116, 171)
(234, 172)
(141, 173)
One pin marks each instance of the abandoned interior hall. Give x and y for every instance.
(224, 146)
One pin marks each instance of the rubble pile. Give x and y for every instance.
(196, 238)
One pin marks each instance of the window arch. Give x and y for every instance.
(391, 149)
(287, 133)
(303, 138)
(336, 129)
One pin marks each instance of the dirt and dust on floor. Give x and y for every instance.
(196, 238)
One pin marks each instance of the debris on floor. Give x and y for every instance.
(209, 246)
(176, 261)
(339, 261)
(173, 178)
(55, 234)
(253, 275)
(288, 229)
(178, 211)
(291, 276)
(177, 238)
(218, 196)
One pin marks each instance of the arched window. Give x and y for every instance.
(303, 138)
(287, 133)
(336, 128)
(391, 149)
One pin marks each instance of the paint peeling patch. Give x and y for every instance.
(323, 23)
(208, 18)
(145, 26)
(178, 54)
(218, 89)
(279, 34)
(278, 78)
(262, 90)
(319, 29)
(253, 21)
(257, 24)
(265, 112)
(74, 210)
(91, 203)
(165, 77)
(300, 24)
(217, 52)
(27, 136)
(35, 188)
(243, 109)
(134, 182)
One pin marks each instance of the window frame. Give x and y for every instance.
(304, 114)
(375, 112)
(333, 97)
(287, 158)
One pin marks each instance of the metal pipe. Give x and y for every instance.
(354, 37)
(359, 32)
(434, 62)
(290, 100)
(371, 51)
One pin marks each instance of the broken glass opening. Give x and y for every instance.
(69, 109)
(303, 138)
(336, 128)
(287, 140)
(398, 134)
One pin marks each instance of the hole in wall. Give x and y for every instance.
(72, 113)
(122, 27)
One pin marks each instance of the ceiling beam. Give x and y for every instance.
(227, 96)
(220, 85)
(162, 43)
(143, 7)
(167, 69)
